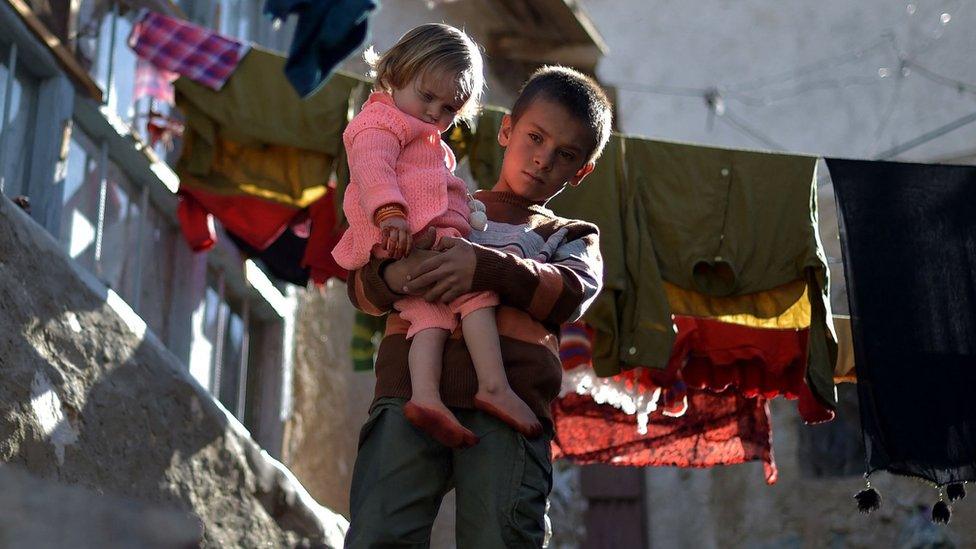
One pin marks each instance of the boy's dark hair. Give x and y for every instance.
(577, 93)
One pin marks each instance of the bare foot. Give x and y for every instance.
(437, 421)
(508, 407)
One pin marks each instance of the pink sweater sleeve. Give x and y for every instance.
(373, 146)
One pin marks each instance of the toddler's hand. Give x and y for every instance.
(397, 239)
(426, 240)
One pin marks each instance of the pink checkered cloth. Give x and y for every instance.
(190, 50)
(153, 82)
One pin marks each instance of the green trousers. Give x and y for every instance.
(401, 475)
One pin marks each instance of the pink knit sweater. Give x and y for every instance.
(395, 158)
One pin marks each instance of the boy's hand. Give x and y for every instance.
(397, 239)
(397, 273)
(447, 275)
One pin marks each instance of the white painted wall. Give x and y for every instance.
(798, 56)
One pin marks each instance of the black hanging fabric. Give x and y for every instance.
(283, 258)
(908, 233)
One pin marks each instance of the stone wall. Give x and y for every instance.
(89, 397)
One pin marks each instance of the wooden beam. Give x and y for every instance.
(583, 56)
(63, 55)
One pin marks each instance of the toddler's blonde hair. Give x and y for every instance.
(432, 48)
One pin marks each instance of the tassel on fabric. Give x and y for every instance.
(956, 491)
(868, 499)
(941, 512)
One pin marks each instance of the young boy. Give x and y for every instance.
(546, 270)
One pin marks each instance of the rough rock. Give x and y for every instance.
(89, 397)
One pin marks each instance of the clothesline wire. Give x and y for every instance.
(810, 68)
(927, 136)
(929, 74)
(740, 125)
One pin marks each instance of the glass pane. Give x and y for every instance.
(79, 214)
(19, 129)
(235, 18)
(124, 77)
(202, 349)
(232, 355)
(123, 64)
(120, 233)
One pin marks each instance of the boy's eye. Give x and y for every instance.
(535, 137)
(567, 155)
(450, 109)
(428, 97)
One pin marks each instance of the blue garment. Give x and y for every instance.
(328, 31)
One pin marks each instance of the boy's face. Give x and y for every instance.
(435, 99)
(547, 148)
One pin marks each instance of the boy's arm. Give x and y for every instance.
(554, 292)
(367, 289)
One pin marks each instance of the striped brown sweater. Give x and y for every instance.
(546, 271)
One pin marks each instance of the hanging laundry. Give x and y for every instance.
(162, 128)
(909, 241)
(752, 362)
(282, 258)
(727, 222)
(324, 235)
(256, 221)
(180, 47)
(327, 32)
(717, 429)
(153, 82)
(237, 144)
(606, 199)
(257, 169)
(196, 223)
(722, 223)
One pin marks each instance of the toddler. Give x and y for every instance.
(402, 186)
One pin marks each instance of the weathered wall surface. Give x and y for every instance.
(330, 399)
(89, 397)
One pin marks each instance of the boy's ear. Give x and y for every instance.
(586, 170)
(505, 131)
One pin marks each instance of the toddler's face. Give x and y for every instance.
(435, 99)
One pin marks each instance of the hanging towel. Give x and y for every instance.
(189, 50)
(328, 31)
(908, 233)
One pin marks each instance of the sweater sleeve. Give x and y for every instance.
(368, 291)
(555, 292)
(374, 141)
